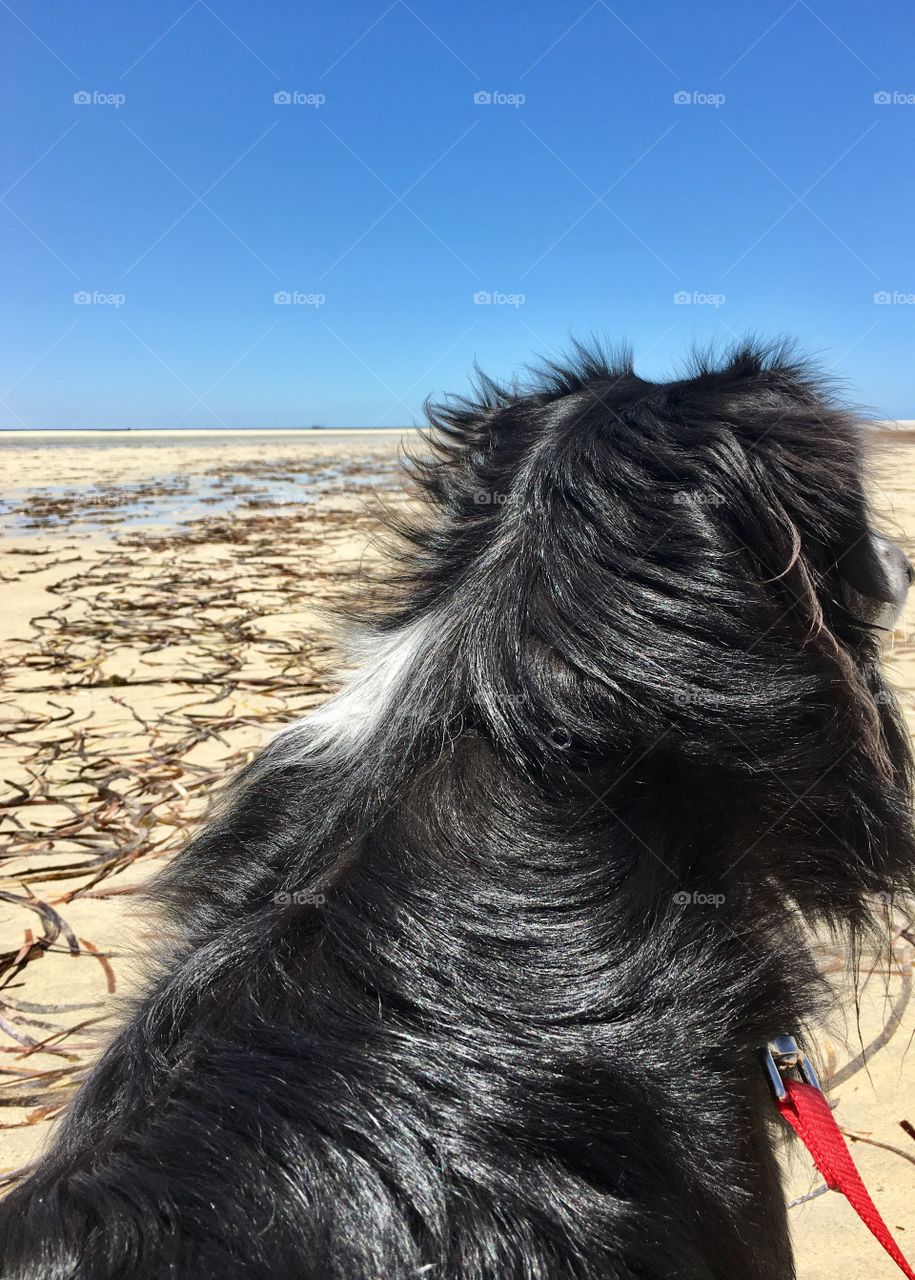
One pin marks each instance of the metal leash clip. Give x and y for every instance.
(781, 1055)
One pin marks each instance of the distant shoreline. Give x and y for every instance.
(181, 433)
(888, 426)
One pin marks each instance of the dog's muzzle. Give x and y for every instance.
(876, 576)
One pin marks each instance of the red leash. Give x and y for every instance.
(803, 1104)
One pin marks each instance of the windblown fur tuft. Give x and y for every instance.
(475, 961)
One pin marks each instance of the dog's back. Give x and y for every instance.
(474, 964)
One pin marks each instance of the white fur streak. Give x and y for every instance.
(369, 697)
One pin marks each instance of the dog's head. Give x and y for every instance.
(681, 578)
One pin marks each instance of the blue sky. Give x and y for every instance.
(775, 194)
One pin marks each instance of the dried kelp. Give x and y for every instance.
(154, 674)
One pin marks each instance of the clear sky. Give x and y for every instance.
(741, 155)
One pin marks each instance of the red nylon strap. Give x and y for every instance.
(809, 1114)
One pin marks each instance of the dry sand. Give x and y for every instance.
(162, 614)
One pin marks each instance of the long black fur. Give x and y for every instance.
(473, 987)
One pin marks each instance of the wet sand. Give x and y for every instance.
(164, 611)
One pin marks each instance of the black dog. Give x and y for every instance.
(476, 962)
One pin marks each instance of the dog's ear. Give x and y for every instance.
(472, 440)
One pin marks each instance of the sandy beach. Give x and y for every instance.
(165, 609)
